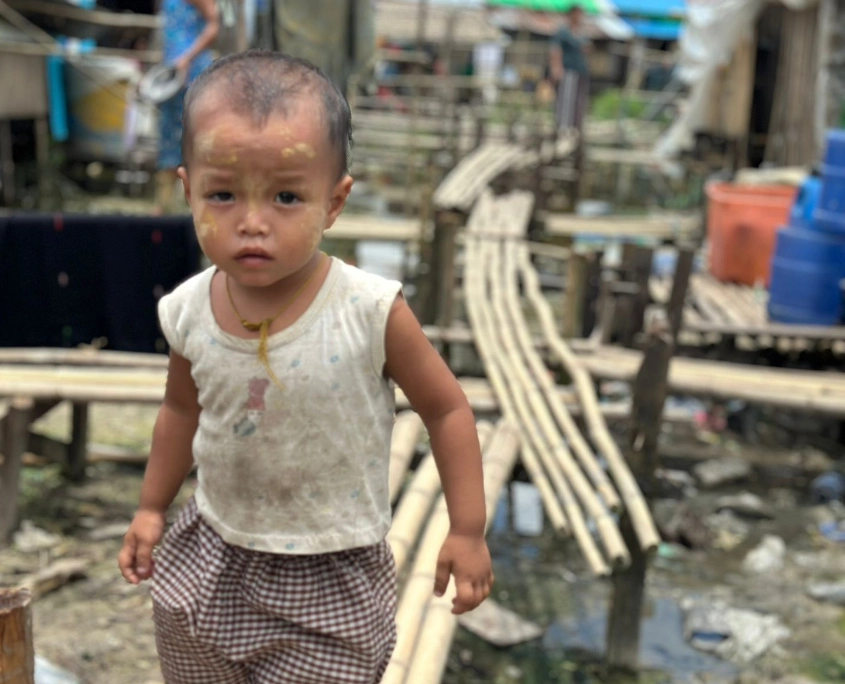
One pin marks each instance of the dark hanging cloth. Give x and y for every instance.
(67, 280)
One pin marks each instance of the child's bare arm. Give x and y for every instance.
(171, 458)
(437, 397)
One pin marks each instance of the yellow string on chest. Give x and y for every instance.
(263, 327)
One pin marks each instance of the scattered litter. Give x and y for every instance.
(767, 556)
(832, 530)
(671, 551)
(745, 504)
(731, 633)
(722, 471)
(726, 530)
(30, 539)
(828, 487)
(828, 592)
(498, 625)
(527, 509)
(47, 673)
(112, 531)
(686, 527)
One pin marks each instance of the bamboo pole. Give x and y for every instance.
(537, 410)
(416, 502)
(406, 433)
(512, 402)
(625, 482)
(438, 627)
(17, 653)
(418, 590)
(516, 322)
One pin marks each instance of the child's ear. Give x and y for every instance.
(338, 199)
(182, 173)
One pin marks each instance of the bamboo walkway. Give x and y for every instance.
(576, 491)
(716, 308)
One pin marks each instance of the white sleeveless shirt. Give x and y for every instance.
(303, 469)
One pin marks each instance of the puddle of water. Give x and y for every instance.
(536, 577)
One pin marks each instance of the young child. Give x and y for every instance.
(280, 388)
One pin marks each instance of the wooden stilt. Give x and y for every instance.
(17, 653)
(7, 162)
(15, 437)
(573, 301)
(77, 450)
(650, 389)
(42, 154)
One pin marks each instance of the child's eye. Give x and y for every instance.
(287, 198)
(222, 196)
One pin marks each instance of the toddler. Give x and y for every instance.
(280, 388)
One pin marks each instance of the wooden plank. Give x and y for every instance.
(669, 226)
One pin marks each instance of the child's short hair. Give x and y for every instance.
(261, 82)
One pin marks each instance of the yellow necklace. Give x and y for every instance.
(263, 327)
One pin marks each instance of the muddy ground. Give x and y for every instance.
(99, 627)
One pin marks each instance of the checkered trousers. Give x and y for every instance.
(227, 615)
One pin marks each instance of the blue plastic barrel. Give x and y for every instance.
(832, 199)
(806, 201)
(806, 271)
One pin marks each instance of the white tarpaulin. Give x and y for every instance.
(712, 30)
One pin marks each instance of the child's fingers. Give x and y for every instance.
(464, 597)
(126, 559)
(144, 559)
(441, 576)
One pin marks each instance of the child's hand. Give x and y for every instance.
(136, 556)
(467, 558)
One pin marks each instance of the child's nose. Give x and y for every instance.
(254, 224)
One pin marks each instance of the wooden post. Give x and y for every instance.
(17, 653)
(573, 296)
(78, 450)
(650, 388)
(592, 288)
(42, 154)
(445, 231)
(7, 161)
(15, 438)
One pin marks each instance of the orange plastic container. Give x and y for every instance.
(742, 223)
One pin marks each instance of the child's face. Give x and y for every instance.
(261, 197)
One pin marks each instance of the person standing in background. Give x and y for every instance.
(189, 28)
(569, 72)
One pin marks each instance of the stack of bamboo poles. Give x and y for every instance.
(425, 624)
(575, 489)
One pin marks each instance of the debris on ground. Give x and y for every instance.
(686, 527)
(722, 471)
(833, 530)
(731, 633)
(727, 531)
(767, 556)
(47, 673)
(498, 625)
(528, 514)
(828, 592)
(745, 504)
(111, 531)
(55, 575)
(31, 539)
(827, 487)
